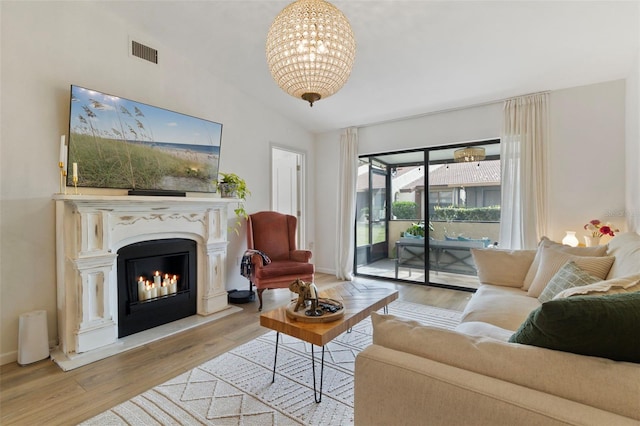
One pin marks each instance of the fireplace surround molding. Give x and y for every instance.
(90, 229)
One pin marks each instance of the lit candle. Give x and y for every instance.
(166, 281)
(164, 289)
(154, 291)
(63, 152)
(141, 288)
(75, 170)
(147, 290)
(156, 279)
(173, 287)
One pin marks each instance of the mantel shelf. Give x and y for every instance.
(140, 199)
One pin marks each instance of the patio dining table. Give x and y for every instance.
(444, 255)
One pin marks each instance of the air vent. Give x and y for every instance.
(144, 52)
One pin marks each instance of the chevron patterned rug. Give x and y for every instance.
(235, 388)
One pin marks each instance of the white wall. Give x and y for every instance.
(587, 157)
(46, 47)
(587, 133)
(633, 144)
(461, 125)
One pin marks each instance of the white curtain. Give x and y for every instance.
(346, 206)
(524, 138)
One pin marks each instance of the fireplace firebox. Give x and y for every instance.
(156, 283)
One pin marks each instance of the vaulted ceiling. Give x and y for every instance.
(413, 57)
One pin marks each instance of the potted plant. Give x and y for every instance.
(233, 186)
(417, 230)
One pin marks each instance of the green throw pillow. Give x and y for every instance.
(603, 326)
(570, 275)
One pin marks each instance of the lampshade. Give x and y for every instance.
(310, 49)
(469, 154)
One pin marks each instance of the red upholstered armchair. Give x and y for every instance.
(274, 234)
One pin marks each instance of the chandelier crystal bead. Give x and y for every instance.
(310, 49)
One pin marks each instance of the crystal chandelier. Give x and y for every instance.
(469, 154)
(310, 49)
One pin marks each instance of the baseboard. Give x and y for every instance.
(70, 362)
(8, 357)
(326, 270)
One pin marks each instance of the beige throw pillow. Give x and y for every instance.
(568, 276)
(552, 260)
(502, 267)
(628, 284)
(546, 242)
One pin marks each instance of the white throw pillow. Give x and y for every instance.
(628, 284)
(626, 249)
(502, 267)
(552, 260)
(568, 276)
(546, 242)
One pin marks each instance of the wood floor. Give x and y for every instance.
(41, 393)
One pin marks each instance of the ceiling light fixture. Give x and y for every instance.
(310, 49)
(469, 154)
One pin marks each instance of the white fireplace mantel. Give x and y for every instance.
(90, 229)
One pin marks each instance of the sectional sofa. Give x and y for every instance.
(550, 337)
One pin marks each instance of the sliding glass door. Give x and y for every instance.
(463, 210)
(421, 211)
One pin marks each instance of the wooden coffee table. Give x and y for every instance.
(358, 304)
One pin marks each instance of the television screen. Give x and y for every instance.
(119, 143)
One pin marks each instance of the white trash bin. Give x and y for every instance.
(33, 339)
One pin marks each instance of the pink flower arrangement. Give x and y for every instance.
(598, 229)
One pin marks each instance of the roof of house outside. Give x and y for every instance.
(482, 173)
(442, 175)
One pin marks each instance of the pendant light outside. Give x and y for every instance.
(310, 49)
(469, 154)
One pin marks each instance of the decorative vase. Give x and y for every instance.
(590, 241)
(570, 239)
(228, 190)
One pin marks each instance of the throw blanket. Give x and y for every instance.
(246, 266)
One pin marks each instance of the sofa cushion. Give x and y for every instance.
(575, 377)
(568, 276)
(552, 260)
(626, 249)
(546, 242)
(477, 328)
(504, 307)
(279, 268)
(602, 326)
(502, 267)
(628, 284)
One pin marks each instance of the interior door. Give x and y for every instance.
(286, 179)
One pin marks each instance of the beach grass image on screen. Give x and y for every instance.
(119, 143)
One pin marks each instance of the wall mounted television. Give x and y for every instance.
(120, 143)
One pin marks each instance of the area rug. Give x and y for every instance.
(235, 388)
